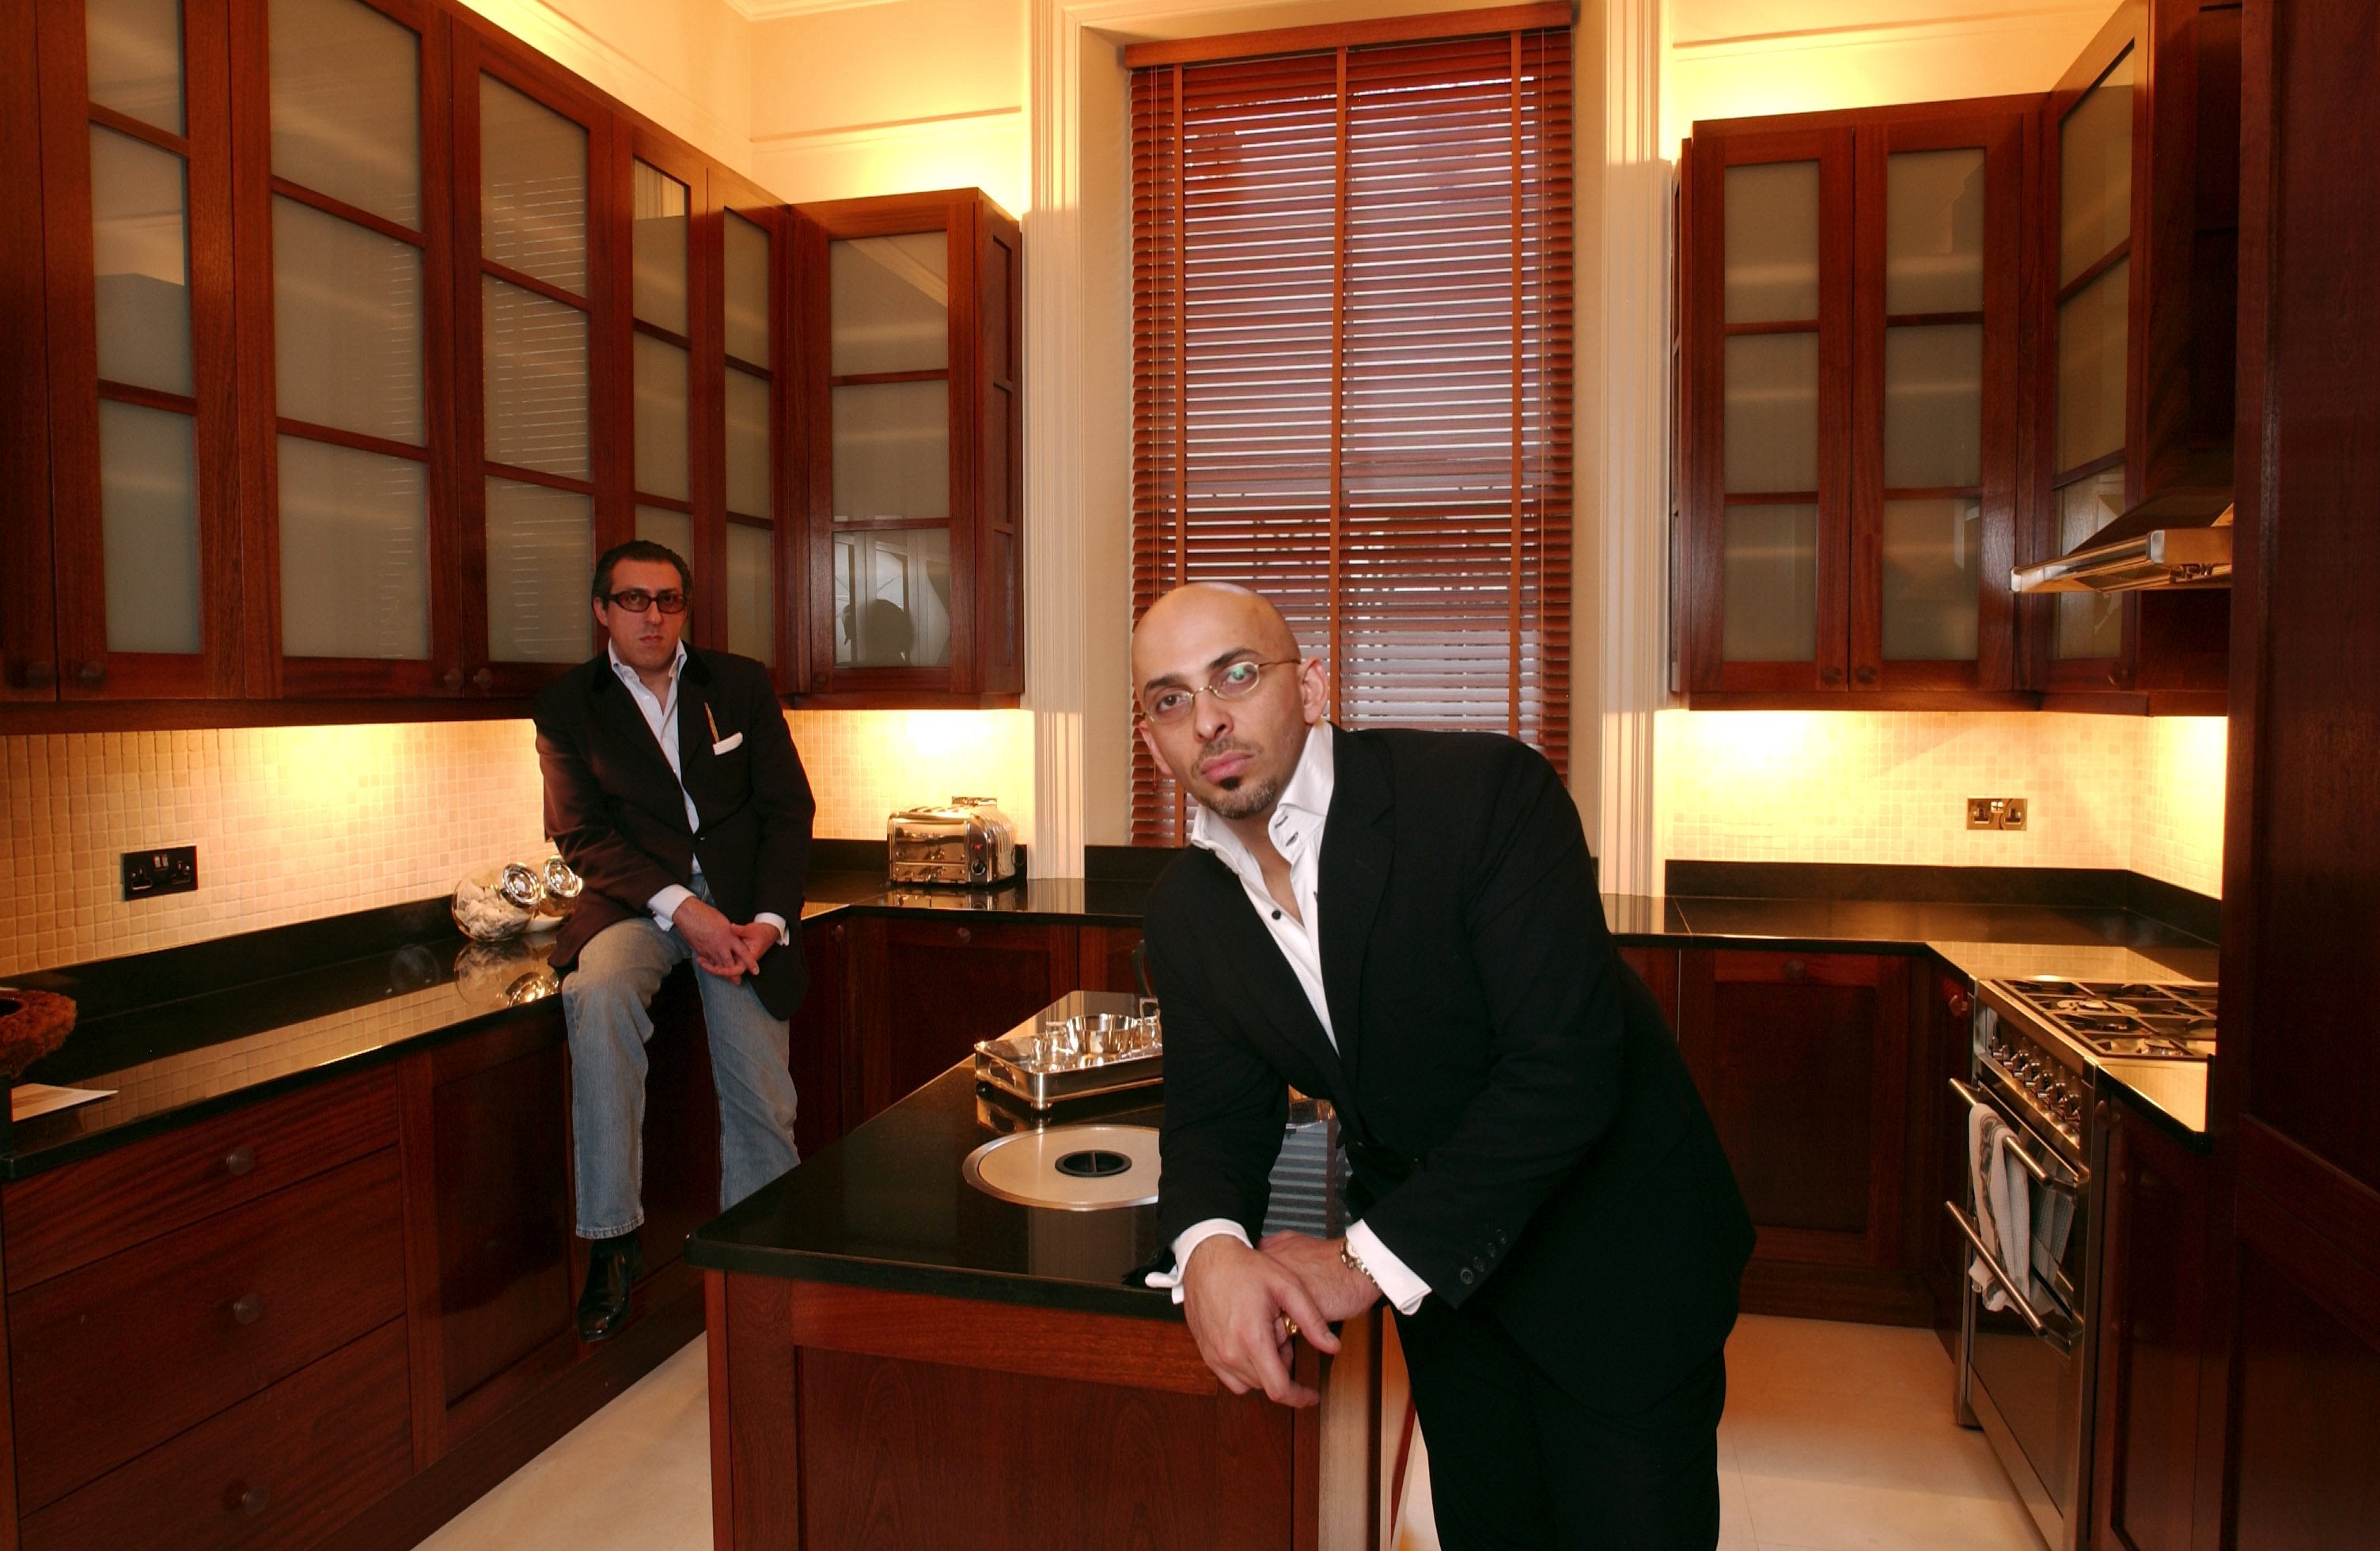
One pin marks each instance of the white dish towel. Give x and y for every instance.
(2027, 1221)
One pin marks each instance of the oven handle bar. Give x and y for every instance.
(2056, 1335)
(2039, 1170)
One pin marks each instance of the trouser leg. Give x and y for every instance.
(1514, 1461)
(748, 1068)
(604, 1000)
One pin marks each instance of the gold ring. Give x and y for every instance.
(1288, 1327)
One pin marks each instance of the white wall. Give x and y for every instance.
(686, 65)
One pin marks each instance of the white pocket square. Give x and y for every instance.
(733, 740)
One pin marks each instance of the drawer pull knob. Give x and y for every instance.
(239, 1161)
(256, 1499)
(247, 1308)
(967, 934)
(1795, 969)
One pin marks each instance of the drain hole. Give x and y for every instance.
(1093, 1163)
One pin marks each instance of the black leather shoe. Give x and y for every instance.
(612, 1266)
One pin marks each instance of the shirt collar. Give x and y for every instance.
(629, 675)
(1303, 804)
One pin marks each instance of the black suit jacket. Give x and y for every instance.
(613, 809)
(1523, 1132)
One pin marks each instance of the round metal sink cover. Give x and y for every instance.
(1073, 1168)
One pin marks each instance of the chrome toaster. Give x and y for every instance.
(969, 843)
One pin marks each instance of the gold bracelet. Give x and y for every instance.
(1347, 1257)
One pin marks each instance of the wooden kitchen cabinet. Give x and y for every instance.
(2137, 310)
(1850, 361)
(1802, 1060)
(2154, 1250)
(1657, 967)
(924, 989)
(815, 1040)
(339, 408)
(912, 441)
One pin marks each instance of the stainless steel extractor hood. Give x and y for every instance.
(2180, 538)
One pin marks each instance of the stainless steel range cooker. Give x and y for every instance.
(2025, 1371)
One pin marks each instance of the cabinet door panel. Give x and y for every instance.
(930, 990)
(500, 1164)
(1801, 1060)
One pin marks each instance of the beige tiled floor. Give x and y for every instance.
(1838, 1437)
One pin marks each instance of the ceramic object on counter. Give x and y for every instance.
(33, 1024)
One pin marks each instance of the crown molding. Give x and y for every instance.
(777, 10)
(1867, 34)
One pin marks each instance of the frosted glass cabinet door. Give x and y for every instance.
(2094, 172)
(1933, 231)
(354, 554)
(1772, 243)
(139, 231)
(532, 187)
(891, 450)
(751, 592)
(540, 551)
(747, 291)
(1771, 427)
(1770, 585)
(661, 382)
(1932, 566)
(889, 304)
(658, 235)
(347, 106)
(537, 387)
(892, 599)
(149, 526)
(346, 324)
(133, 51)
(2092, 337)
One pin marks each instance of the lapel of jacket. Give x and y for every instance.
(620, 721)
(1355, 855)
(694, 717)
(1249, 955)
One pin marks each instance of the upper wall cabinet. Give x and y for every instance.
(350, 332)
(1851, 474)
(911, 430)
(135, 187)
(2137, 311)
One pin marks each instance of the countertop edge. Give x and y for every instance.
(944, 1281)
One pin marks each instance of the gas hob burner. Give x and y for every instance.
(2142, 1020)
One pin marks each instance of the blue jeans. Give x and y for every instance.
(604, 1000)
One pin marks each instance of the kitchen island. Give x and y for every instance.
(899, 1358)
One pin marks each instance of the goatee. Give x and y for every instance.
(1244, 799)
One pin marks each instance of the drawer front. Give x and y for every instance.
(86, 1211)
(111, 1360)
(282, 1468)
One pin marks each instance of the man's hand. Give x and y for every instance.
(759, 937)
(719, 947)
(1336, 1288)
(1235, 1300)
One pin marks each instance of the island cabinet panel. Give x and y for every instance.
(1802, 1060)
(121, 1355)
(279, 1470)
(2153, 1242)
(70, 1217)
(927, 990)
(1107, 959)
(860, 1417)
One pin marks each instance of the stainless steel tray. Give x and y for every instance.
(1085, 1043)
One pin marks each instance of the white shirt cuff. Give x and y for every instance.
(770, 918)
(1190, 1239)
(1396, 1281)
(663, 906)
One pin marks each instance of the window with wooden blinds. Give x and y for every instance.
(1352, 367)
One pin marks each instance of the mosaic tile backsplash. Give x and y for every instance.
(294, 822)
(2137, 793)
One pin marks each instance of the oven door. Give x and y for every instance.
(2025, 1369)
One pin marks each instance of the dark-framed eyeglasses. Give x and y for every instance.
(635, 599)
(1237, 680)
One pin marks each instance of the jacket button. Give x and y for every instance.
(1464, 1276)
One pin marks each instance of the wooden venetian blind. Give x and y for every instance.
(1352, 364)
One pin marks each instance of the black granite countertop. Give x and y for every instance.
(191, 1031)
(888, 1206)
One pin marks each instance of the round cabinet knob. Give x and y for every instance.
(93, 674)
(1795, 969)
(482, 679)
(967, 934)
(1865, 675)
(1830, 676)
(255, 1499)
(1961, 1004)
(452, 679)
(239, 1161)
(247, 1308)
(37, 676)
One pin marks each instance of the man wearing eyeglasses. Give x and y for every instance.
(672, 788)
(1407, 922)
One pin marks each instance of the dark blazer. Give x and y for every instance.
(1523, 1133)
(613, 809)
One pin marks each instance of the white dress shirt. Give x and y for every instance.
(1296, 829)
(660, 715)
